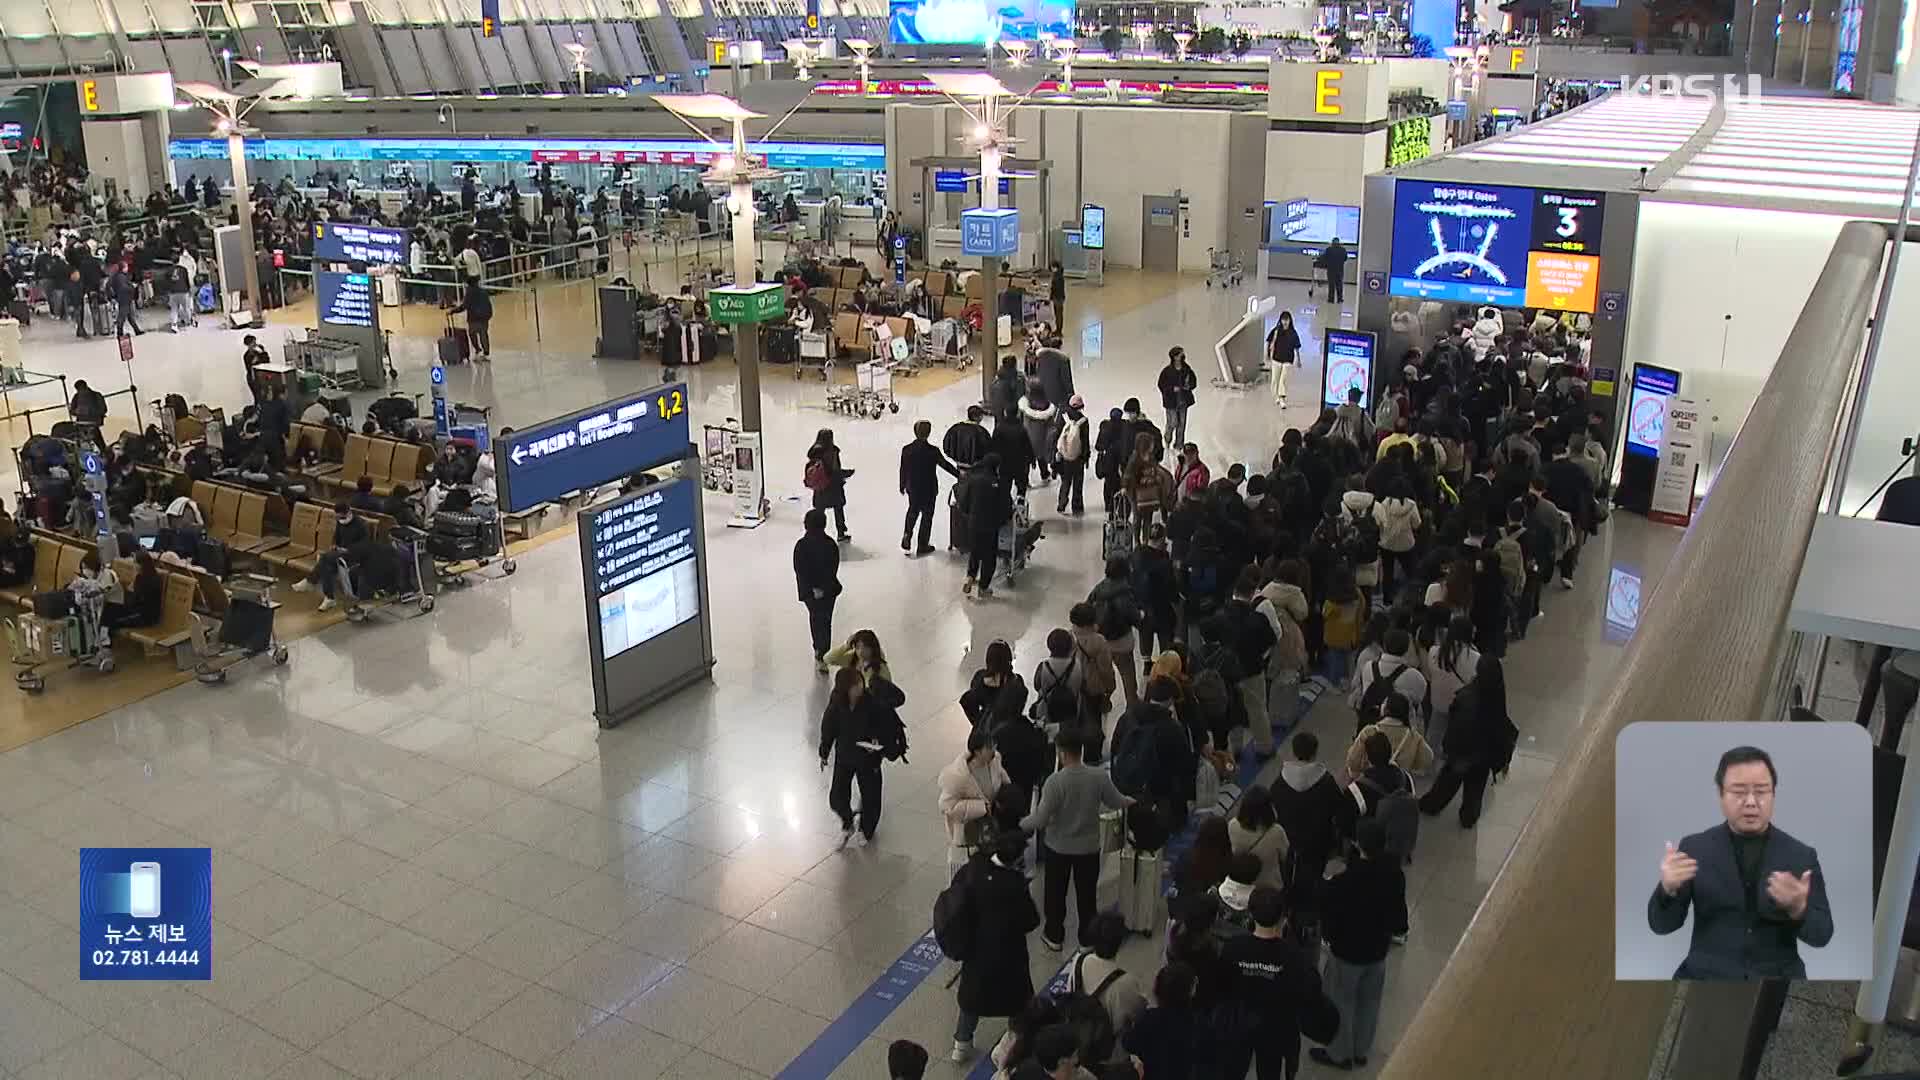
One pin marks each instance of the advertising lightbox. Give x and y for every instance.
(1652, 387)
(977, 22)
(1349, 366)
(1491, 244)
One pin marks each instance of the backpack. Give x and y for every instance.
(1398, 812)
(1117, 616)
(1057, 704)
(1386, 412)
(1193, 482)
(1203, 581)
(1360, 539)
(1376, 695)
(1135, 759)
(1083, 1012)
(1513, 564)
(1024, 751)
(1214, 688)
(954, 917)
(815, 478)
(1072, 444)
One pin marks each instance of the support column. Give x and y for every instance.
(1906, 63)
(989, 326)
(1742, 31)
(243, 201)
(1763, 50)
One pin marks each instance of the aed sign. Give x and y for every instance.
(1326, 92)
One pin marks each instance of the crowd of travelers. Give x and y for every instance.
(1391, 553)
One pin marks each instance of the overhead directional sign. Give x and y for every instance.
(339, 241)
(594, 446)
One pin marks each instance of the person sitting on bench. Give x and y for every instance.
(331, 574)
(144, 602)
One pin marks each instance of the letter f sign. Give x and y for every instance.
(1326, 91)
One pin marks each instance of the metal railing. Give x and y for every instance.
(1530, 991)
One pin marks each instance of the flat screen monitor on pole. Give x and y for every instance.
(1349, 366)
(609, 441)
(1093, 227)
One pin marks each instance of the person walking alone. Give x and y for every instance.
(827, 479)
(1283, 352)
(920, 465)
(816, 571)
(1069, 812)
(1362, 906)
(479, 308)
(1177, 383)
(859, 729)
(125, 297)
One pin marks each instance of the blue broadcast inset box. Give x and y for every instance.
(146, 913)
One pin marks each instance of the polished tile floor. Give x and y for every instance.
(429, 861)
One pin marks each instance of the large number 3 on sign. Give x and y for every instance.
(1569, 221)
(670, 405)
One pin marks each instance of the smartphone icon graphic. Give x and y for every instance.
(143, 891)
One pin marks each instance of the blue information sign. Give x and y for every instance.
(645, 566)
(614, 439)
(336, 241)
(146, 913)
(343, 299)
(989, 232)
(1349, 365)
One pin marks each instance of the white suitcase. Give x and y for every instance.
(1141, 904)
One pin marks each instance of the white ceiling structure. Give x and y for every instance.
(1783, 153)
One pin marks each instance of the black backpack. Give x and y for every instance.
(1024, 751)
(1057, 704)
(1117, 615)
(1136, 759)
(954, 918)
(1376, 695)
(1091, 1024)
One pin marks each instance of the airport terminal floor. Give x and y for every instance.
(430, 862)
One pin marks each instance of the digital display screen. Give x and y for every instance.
(646, 572)
(1349, 365)
(779, 155)
(615, 439)
(1303, 227)
(343, 299)
(339, 241)
(955, 180)
(977, 22)
(1488, 244)
(1093, 228)
(1647, 408)
(1409, 140)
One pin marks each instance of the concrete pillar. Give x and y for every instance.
(1763, 46)
(1742, 30)
(1906, 63)
(1816, 69)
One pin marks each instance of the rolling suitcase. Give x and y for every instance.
(22, 311)
(959, 528)
(102, 315)
(1117, 538)
(1141, 904)
(453, 346)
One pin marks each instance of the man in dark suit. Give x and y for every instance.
(1754, 891)
(816, 573)
(920, 465)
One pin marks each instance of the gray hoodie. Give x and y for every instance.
(1301, 775)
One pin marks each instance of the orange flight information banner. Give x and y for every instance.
(1560, 282)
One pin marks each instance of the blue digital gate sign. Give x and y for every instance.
(1647, 408)
(343, 299)
(1349, 365)
(955, 180)
(338, 241)
(646, 573)
(609, 441)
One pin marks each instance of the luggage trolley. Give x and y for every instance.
(79, 639)
(1223, 269)
(459, 543)
(1016, 540)
(420, 579)
(875, 388)
(246, 631)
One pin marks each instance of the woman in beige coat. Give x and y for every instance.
(967, 786)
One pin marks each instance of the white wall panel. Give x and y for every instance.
(442, 74)
(406, 59)
(629, 37)
(472, 74)
(515, 38)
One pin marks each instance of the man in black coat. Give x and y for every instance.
(1309, 805)
(920, 465)
(816, 573)
(1571, 489)
(996, 978)
(1754, 891)
(967, 441)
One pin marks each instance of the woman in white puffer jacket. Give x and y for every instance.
(1399, 519)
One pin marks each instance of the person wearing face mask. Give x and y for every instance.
(330, 572)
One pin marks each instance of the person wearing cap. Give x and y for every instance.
(1071, 449)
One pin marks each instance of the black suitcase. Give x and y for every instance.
(22, 311)
(57, 604)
